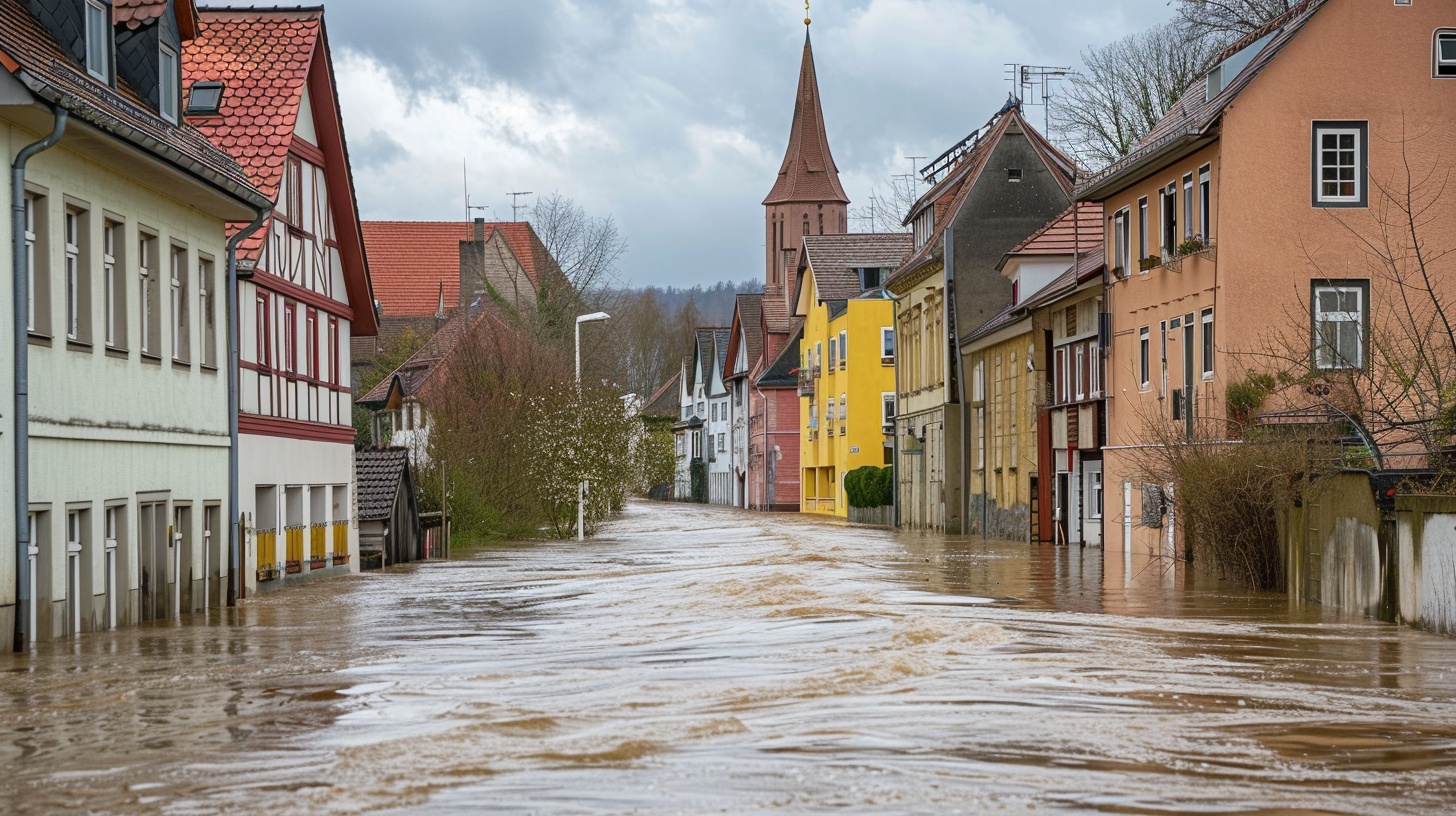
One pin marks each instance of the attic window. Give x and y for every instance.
(98, 40)
(872, 277)
(169, 83)
(1013, 175)
(1446, 53)
(204, 99)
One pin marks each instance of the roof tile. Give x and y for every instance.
(412, 262)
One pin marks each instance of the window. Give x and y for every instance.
(678, 442)
(1142, 227)
(818, 357)
(721, 438)
(169, 84)
(1168, 199)
(1207, 324)
(310, 344)
(1339, 325)
(843, 349)
(334, 375)
(1204, 200)
(294, 181)
(923, 226)
(714, 410)
(1079, 372)
(1188, 206)
(1120, 242)
(205, 99)
(833, 353)
(150, 296)
(978, 382)
(290, 338)
(37, 265)
(887, 344)
(264, 345)
(111, 267)
(813, 415)
(1340, 154)
(1445, 56)
(829, 415)
(98, 40)
(1059, 376)
(207, 308)
(74, 273)
(181, 327)
(872, 277)
(887, 410)
(1143, 357)
(980, 432)
(843, 408)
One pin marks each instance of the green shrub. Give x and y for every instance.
(870, 487)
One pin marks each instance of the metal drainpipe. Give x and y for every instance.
(234, 553)
(895, 426)
(955, 349)
(20, 318)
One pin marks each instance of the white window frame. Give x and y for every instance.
(169, 83)
(1206, 342)
(843, 407)
(1442, 68)
(94, 36)
(1120, 241)
(1078, 377)
(181, 326)
(1142, 231)
(1358, 131)
(887, 344)
(1357, 317)
(888, 408)
(109, 230)
(1205, 202)
(1145, 349)
(843, 348)
(1187, 205)
(147, 282)
(71, 227)
(833, 352)
(30, 241)
(207, 312)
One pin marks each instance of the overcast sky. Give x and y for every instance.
(672, 115)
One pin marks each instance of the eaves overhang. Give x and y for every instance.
(1137, 166)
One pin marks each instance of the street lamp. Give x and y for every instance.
(594, 317)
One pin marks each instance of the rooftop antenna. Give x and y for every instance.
(915, 172)
(470, 208)
(517, 207)
(1032, 84)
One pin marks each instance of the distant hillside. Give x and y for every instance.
(714, 303)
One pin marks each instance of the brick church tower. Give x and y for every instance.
(807, 198)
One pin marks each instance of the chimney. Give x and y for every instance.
(480, 230)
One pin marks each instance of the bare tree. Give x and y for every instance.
(1126, 87)
(585, 248)
(1226, 21)
(886, 211)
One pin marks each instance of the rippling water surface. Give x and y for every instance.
(695, 661)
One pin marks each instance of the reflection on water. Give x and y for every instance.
(699, 660)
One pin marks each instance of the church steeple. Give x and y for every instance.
(807, 198)
(808, 172)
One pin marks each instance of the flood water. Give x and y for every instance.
(695, 661)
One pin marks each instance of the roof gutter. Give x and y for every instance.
(235, 579)
(25, 549)
(1116, 178)
(234, 188)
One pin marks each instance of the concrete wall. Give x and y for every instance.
(1426, 563)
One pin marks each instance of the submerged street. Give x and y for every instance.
(696, 660)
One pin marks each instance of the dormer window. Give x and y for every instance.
(871, 277)
(204, 99)
(1446, 53)
(98, 40)
(169, 84)
(924, 225)
(1013, 175)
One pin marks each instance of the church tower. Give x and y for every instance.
(807, 198)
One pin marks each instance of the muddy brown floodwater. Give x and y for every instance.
(695, 660)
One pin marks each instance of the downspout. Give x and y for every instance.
(20, 320)
(234, 540)
(895, 426)
(763, 464)
(955, 347)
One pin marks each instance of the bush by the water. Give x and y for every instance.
(870, 487)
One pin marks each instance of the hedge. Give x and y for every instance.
(870, 487)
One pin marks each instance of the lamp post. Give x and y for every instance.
(594, 317)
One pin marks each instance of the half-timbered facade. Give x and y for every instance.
(260, 85)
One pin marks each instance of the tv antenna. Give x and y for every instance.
(516, 207)
(470, 208)
(1033, 85)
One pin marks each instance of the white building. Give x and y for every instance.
(261, 86)
(124, 257)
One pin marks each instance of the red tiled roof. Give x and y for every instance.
(412, 262)
(136, 13)
(836, 259)
(808, 172)
(30, 52)
(776, 319)
(1076, 229)
(262, 57)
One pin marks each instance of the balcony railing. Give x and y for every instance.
(806, 383)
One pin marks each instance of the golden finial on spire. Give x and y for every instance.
(806, 12)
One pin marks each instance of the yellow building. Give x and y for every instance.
(847, 361)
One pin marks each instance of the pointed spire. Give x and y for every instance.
(808, 173)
